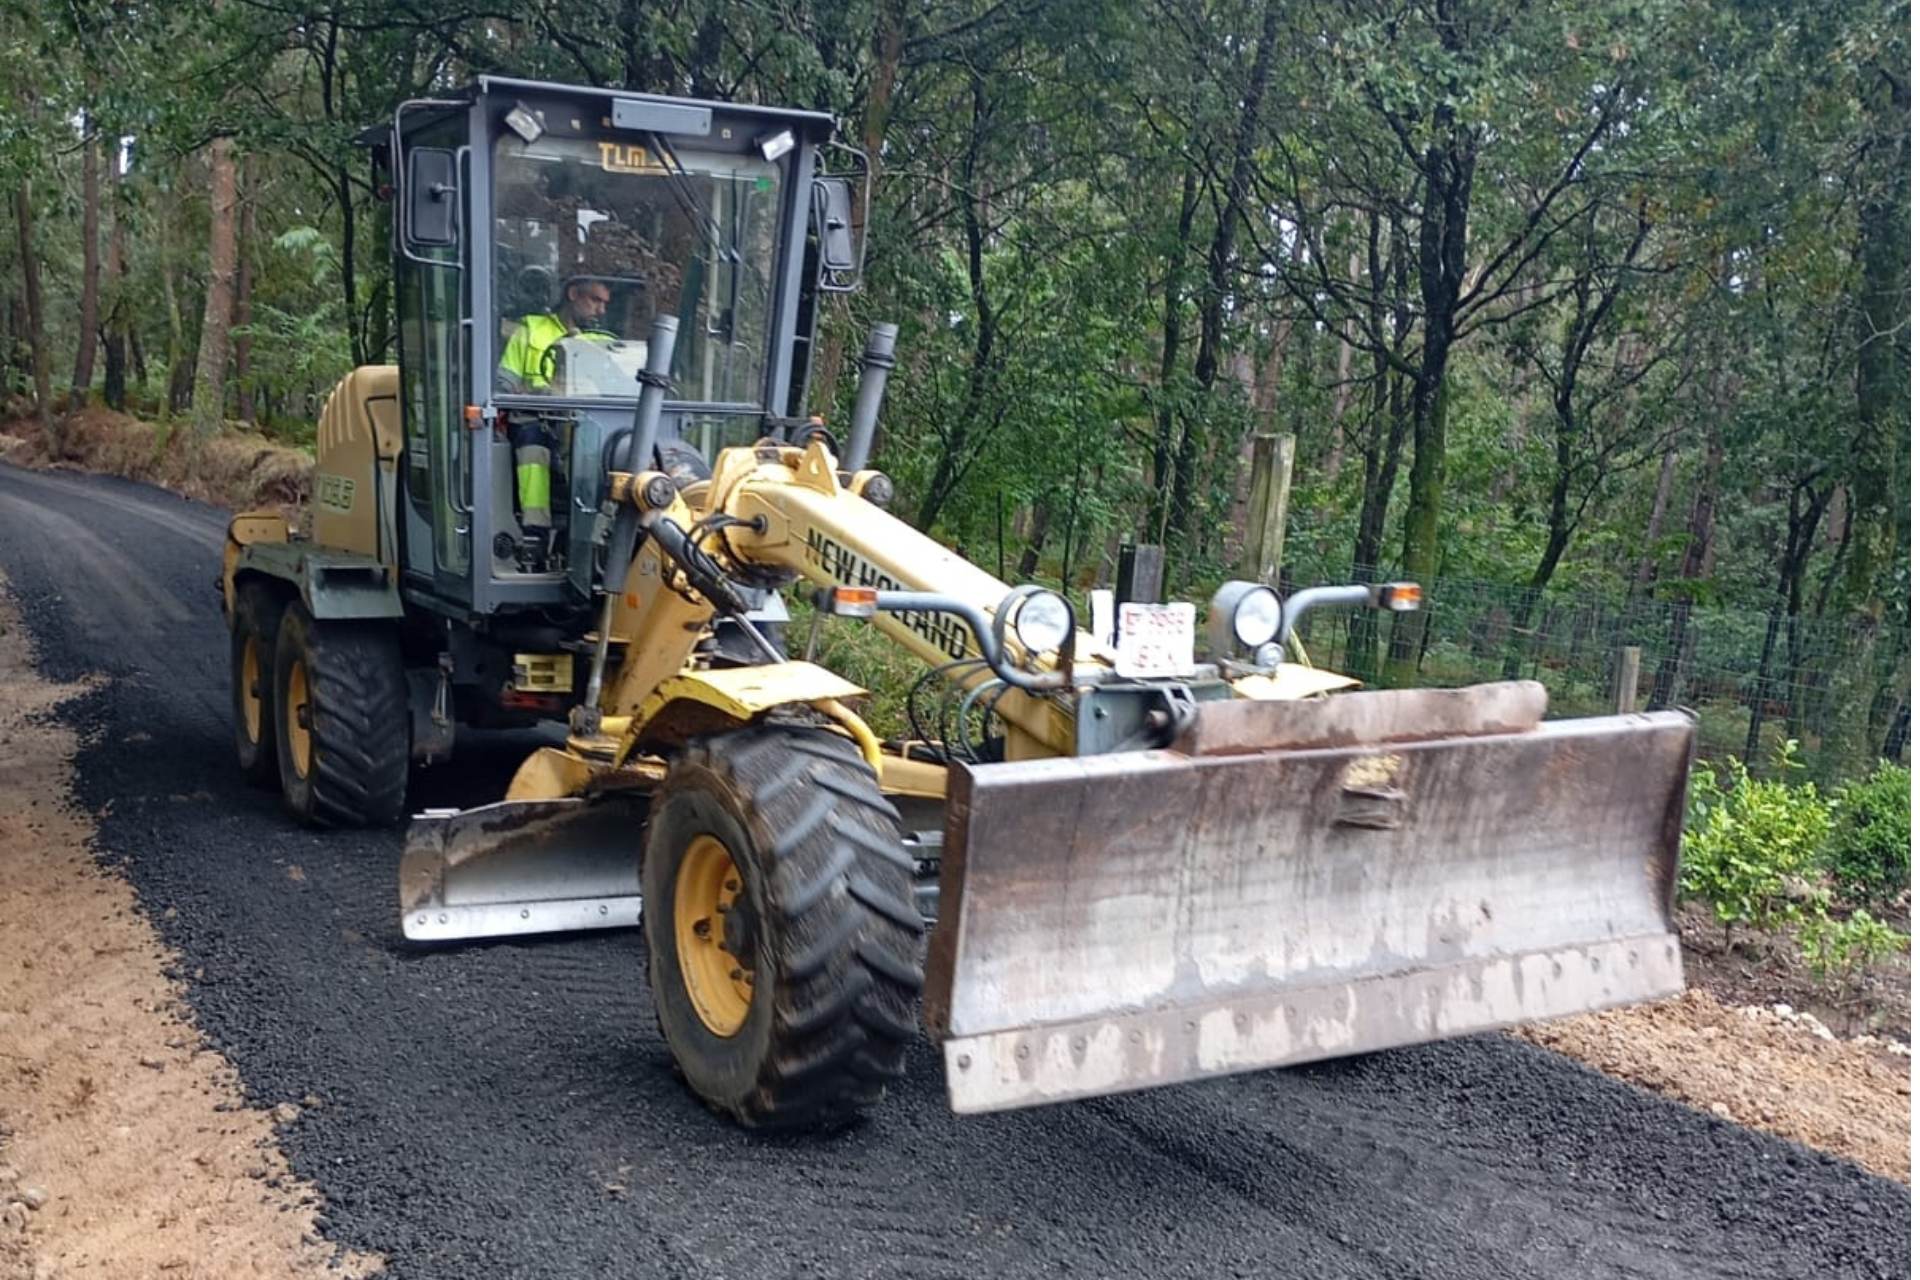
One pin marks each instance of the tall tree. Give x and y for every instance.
(210, 375)
(119, 309)
(36, 314)
(90, 262)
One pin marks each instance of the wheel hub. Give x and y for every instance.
(299, 727)
(250, 704)
(714, 931)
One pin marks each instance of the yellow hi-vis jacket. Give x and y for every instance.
(526, 354)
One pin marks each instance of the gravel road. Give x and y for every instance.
(509, 1109)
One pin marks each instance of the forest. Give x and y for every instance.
(1591, 317)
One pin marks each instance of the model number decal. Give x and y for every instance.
(941, 630)
(333, 492)
(618, 157)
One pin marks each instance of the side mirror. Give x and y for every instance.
(433, 190)
(833, 225)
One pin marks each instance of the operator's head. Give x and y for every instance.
(587, 303)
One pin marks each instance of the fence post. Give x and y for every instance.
(1266, 538)
(1142, 569)
(1626, 679)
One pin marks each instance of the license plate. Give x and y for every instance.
(1154, 640)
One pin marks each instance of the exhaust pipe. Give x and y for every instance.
(876, 362)
(626, 521)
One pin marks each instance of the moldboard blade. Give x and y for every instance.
(522, 866)
(1120, 921)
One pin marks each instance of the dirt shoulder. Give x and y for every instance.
(1781, 1072)
(236, 469)
(126, 1146)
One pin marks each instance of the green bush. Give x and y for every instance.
(1751, 846)
(1870, 852)
(1848, 947)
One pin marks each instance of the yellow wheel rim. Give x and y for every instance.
(705, 891)
(250, 687)
(299, 735)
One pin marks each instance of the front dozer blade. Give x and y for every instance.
(1297, 881)
(522, 866)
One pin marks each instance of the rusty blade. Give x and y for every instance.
(1112, 922)
(1369, 718)
(522, 866)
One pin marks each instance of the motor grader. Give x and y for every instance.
(1101, 862)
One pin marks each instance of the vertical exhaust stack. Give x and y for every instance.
(876, 362)
(626, 521)
(640, 444)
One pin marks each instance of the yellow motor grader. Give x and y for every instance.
(584, 499)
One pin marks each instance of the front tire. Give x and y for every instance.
(783, 943)
(341, 720)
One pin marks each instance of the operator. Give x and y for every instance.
(528, 365)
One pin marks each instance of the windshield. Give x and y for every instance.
(593, 238)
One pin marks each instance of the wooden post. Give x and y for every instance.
(1626, 680)
(1266, 535)
(1142, 570)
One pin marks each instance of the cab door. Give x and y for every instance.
(433, 299)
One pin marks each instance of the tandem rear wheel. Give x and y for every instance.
(256, 619)
(340, 716)
(783, 941)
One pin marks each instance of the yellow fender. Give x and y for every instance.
(247, 527)
(708, 701)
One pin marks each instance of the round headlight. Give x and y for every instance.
(1256, 618)
(1044, 622)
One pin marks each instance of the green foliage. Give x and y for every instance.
(1751, 846)
(1848, 947)
(857, 651)
(1870, 850)
(1052, 186)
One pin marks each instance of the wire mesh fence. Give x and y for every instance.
(1756, 679)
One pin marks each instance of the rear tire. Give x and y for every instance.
(341, 720)
(256, 618)
(818, 924)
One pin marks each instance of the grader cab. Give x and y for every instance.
(585, 499)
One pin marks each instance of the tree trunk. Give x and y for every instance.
(889, 43)
(36, 315)
(703, 64)
(1342, 386)
(1656, 522)
(1667, 680)
(1446, 198)
(119, 307)
(1172, 316)
(1881, 384)
(1803, 526)
(349, 268)
(1220, 254)
(89, 269)
(1036, 541)
(210, 376)
(179, 354)
(958, 436)
(243, 302)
